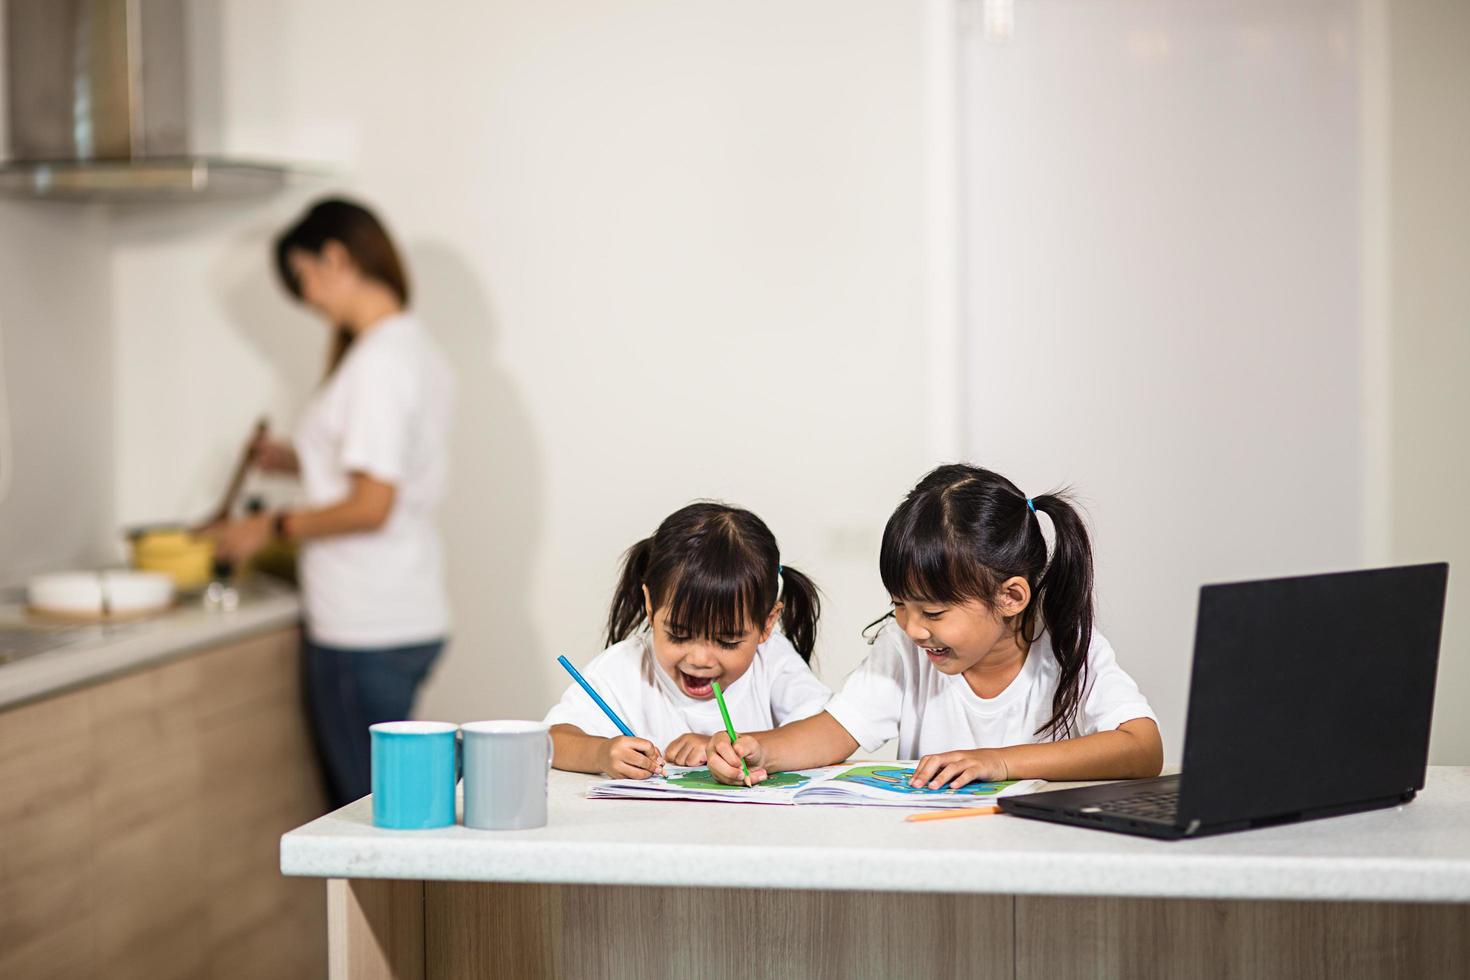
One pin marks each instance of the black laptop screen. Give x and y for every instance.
(1311, 692)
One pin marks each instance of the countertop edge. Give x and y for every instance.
(1172, 876)
(50, 674)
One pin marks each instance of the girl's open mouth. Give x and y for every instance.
(697, 687)
(937, 654)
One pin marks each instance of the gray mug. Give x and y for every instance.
(505, 768)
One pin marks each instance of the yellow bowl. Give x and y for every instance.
(171, 539)
(185, 557)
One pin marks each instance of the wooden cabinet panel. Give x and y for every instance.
(141, 820)
(1066, 938)
(63, 951)
(145, 755)
(263, 668)
(149, 890)
(46, 894)
(377, 932)
(481, 929)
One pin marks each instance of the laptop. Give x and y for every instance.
(1310, 697)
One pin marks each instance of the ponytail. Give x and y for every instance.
(1064, 595)
(801, 605)
(628, 608)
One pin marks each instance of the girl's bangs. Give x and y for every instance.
(714, 602)
(922, 561)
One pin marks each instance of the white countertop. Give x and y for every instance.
(106, 650)
(1414, 853)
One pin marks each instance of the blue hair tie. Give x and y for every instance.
(1030, 506)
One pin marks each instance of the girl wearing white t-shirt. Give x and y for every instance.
(991, 669)
(704, 599)
(372, 454)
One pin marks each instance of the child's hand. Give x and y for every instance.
(630, 758)
(962, 768)
(724, 759)
(688, 749)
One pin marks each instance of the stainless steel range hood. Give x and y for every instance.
(98, 107)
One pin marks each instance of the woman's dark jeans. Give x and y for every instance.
(348, 689)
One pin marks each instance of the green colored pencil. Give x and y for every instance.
(729, 728)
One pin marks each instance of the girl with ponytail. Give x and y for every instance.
(704, 599)
(991, 668)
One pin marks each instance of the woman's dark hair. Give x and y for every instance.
(716, 568)
(363, 236)
(964, 530)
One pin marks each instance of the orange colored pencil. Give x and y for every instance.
(969, 811)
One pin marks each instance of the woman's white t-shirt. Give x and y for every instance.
(898, 692)
(778, 688)
(384, 412)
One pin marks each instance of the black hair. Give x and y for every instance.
(366, 240)
(716, 568)
(963, 530)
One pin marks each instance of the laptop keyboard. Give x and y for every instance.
(1161, 805)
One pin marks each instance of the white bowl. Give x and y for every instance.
(100, 593)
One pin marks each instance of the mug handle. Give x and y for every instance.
(550, 752)
(458, 754)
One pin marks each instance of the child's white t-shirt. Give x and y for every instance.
(778, 688)
(898, 692)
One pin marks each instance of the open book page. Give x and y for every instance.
(687, 783)
(870, 784)
(887, 784)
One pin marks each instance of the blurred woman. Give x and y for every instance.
(371, 453)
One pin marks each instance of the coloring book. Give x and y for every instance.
(870, 784)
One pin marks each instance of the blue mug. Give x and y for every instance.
(414, 765)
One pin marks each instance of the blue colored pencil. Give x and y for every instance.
(595, 696)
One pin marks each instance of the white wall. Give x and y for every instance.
(1162, 244)
(618, 214)
(674, 248)
(1429, 221)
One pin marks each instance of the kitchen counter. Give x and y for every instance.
(634, 888)
(148, 771)
(1419, 852)
(95, 652)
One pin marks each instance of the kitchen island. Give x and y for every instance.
(147, 771)
(614, 888)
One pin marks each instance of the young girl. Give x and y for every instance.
(991, 669)
(697, 602)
